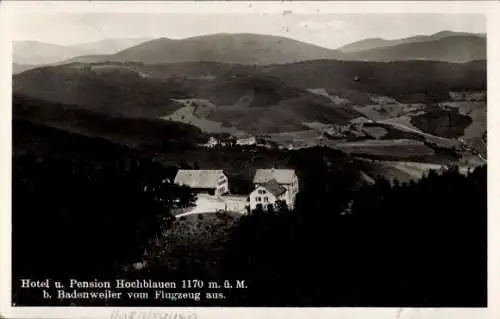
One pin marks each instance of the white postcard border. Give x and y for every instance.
(489, 8)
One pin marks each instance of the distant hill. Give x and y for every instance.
(106, 87)
(35, 53)
(18, 68)
(456, 48)
(133, 132)
(268, 98)
(374, 43)
(253, 49)
(261, 103)
(228, 48)
(256, 49)
(90, 58)
(352, 80)
(116, 91)
(249, 90)
(256, 103)
(405, 81)
(366, 44)
(224, 84)
(39, 53)
(287, 116)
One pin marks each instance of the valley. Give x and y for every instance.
(222, 99)
(403, 111)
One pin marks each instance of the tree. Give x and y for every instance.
(270, 208)
(259, 209)
(428, 226)
(103, 205)
(281, 206)
(186, 196)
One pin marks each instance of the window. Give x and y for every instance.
(258, 198)
(265, 199)
(261, 191)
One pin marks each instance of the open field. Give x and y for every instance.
(317, 125)
(297, 136)
(378, 112)
(468, 96)
(402, 120)
(465, 107)
(187, 115)
(380, 143)
(117, 68)
(385, 169)
(383, 99)
(400, 117)
(334, 98)
(400, 125)
(418, 169)
(476, 110)
(386, 148)
(375, 131)
(404, 171)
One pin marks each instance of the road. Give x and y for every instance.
(463, 144)
(406, 128)
(194, 213)
(206, 204)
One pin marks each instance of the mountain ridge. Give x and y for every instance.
(32, 52)
(378, 42)
(254, 49)
(244, 48)
(455, 49)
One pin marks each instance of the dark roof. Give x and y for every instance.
(282, 176)
(274, 187)
(198, 178)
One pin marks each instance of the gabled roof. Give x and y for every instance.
(196, 178)
(274, 187)
(246, 138)
(282, 176)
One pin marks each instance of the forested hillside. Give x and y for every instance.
(409, 244)
(422, 244)
(83, 207)
(131, 131)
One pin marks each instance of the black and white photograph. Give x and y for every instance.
(232, 159)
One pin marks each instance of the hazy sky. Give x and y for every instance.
(328, 30)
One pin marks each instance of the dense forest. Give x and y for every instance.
(421, 244)
(83, 207)
(144, 133)
(415, 244)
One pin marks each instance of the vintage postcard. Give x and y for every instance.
(262, 159)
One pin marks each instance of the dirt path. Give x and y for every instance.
(202, 213)
(404, 127)
(464, 145)
(193, 213)
(206, 204)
